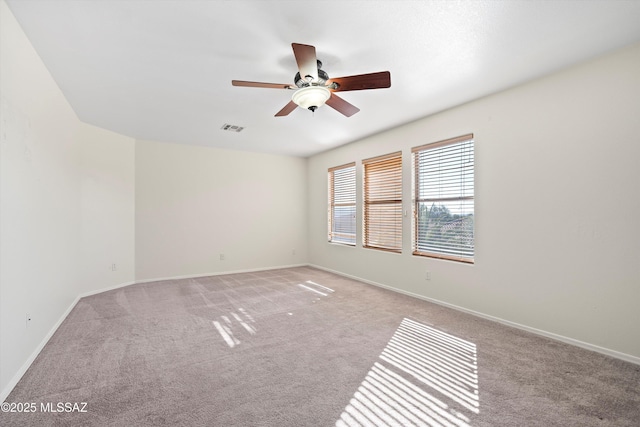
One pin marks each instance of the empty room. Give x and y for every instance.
(296, 213)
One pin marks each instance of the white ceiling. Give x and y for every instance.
(162, 70)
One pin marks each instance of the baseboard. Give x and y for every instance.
(219, 273)
(25, 366)
(109, 288)
(561, 338)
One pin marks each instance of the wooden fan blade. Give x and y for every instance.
(378, 80)
(341, 105)
(287, 109)
(259, 84)
(306, 59)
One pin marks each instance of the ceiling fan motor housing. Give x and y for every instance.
(304, 82)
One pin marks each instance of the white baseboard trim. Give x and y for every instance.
(219, 273)
(108, 288)
(25, 366)
(561, 338)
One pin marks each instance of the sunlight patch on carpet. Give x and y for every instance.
(317, 288)
(426, 377)
(225, 326)
(238, 322)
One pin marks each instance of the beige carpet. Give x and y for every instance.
(303, 347)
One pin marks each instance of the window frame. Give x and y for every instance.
(388, 169)
(463, 198)
(348, 191)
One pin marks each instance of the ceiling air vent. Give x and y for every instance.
(231, 128)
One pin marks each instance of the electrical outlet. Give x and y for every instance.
(428, 275)
(221, 257)
(113, 267)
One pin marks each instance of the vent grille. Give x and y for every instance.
(232, 128)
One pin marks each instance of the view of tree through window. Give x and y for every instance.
(342, 204)
(444, 199)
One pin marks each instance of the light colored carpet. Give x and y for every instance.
(304, 347)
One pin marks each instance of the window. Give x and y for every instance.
(383, 202)
(342, 204)
(443, 199)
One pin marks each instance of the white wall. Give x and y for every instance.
(195, 203)
(557, 205)
(108, 202)
(55, 174)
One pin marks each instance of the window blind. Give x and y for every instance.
(342, 204)
(444, 199)
(383, 202)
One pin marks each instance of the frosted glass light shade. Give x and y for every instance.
(311, 97)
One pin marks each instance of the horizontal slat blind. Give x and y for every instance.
(383, 202)
(342, 204)
(444, 199)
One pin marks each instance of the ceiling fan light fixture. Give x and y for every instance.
(311, 97)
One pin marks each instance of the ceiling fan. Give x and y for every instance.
(313, 87)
